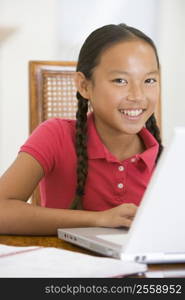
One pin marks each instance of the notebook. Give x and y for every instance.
(157, 233)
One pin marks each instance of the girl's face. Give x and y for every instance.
(124, 88)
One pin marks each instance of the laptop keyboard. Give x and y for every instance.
(114, 238)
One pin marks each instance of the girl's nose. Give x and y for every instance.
(135, 93)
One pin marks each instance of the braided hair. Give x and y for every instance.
(81, 148)
(151, 125)
(95, 44)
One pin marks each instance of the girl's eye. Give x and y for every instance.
(150, 80)
(120, 81)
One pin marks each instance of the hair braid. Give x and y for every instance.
(151, 125)
(81, 148)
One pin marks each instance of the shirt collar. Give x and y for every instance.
(96, 148)
(152, 147)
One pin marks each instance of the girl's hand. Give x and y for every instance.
(119, 216)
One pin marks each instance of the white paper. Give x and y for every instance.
(54, 262)
(165, 273)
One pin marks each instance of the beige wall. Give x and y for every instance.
(34, 38)
(172, 55)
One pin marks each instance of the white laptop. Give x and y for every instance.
(157, 233)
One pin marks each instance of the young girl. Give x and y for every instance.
(92, 171)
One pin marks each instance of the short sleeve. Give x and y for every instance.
(43, 143)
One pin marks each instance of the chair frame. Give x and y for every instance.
(35, 91)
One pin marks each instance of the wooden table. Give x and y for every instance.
(178, 270)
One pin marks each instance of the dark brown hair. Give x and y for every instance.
(89, 57)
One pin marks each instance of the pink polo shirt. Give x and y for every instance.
(110, 182)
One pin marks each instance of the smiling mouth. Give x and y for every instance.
(132, 113)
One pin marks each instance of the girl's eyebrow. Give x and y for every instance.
(153, 72)
(127, 73)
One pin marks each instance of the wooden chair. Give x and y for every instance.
(52, 93)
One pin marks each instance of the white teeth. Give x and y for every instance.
(132, 113)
